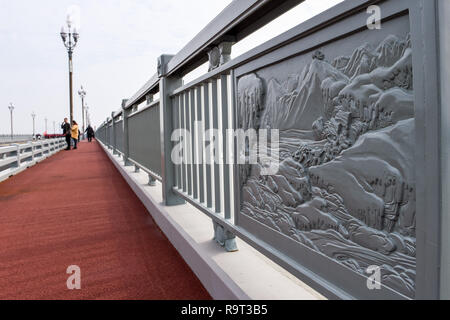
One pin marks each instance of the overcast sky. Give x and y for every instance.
(120, 41)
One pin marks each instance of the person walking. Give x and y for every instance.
(66, 132)
(90, 133)
(75, 133)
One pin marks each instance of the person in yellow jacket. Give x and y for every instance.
(74, 130)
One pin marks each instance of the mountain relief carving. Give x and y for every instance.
(346, 184)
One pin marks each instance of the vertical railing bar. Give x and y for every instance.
(183, 127)
(175, 123)
(225, 125)
(215, 120)
(207, 153)
(200, 134)
(188, 143)
(234, 126)
(219, 144)
(230, 144)
(180, 141)
(193, 107)
(113, 133)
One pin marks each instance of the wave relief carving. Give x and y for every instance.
(346, 185)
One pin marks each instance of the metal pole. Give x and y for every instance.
(12, 130)
(46, 125)
(166, 87)
(82, 109)
(126, 136)
(33, 115)
(70, 41)
(70, 86)
(11, 109)
(88, 115)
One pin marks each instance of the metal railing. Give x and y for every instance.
(6, 138)
(324, 221)
(18, 157)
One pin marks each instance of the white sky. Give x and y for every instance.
(120, 41)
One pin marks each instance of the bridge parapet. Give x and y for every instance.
(18, 157)
(355, 112)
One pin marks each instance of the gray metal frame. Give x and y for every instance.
(144, 153)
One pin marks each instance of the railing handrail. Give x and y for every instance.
(7, 149)
(139, 96)
(235, 22)
(148, 106)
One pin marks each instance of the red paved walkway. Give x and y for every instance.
(76, 209)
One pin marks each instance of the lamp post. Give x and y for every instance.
(54, 127)
(11, 109)
(88, 116)
(46, 125)
(82, 94)
(70, 40)
(33, 115)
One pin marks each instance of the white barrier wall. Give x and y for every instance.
(16, 158)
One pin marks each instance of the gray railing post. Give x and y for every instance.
(103, 133)
(166, 86)
(151, 180)
(149, 98)
(113, 133)
(32, 151)
(107, 133)
(126, 134)
(17, 154)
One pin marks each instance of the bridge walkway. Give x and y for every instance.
(76, 209)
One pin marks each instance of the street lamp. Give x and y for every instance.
(82, 94)
(11, 109)
(54, 127)
(70, 40)
(46, 125)
(88, 116)
(33, 115)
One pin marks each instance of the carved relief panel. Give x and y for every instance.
(346, 182)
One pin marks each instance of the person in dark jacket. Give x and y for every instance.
(90, 133)
(66, 132)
